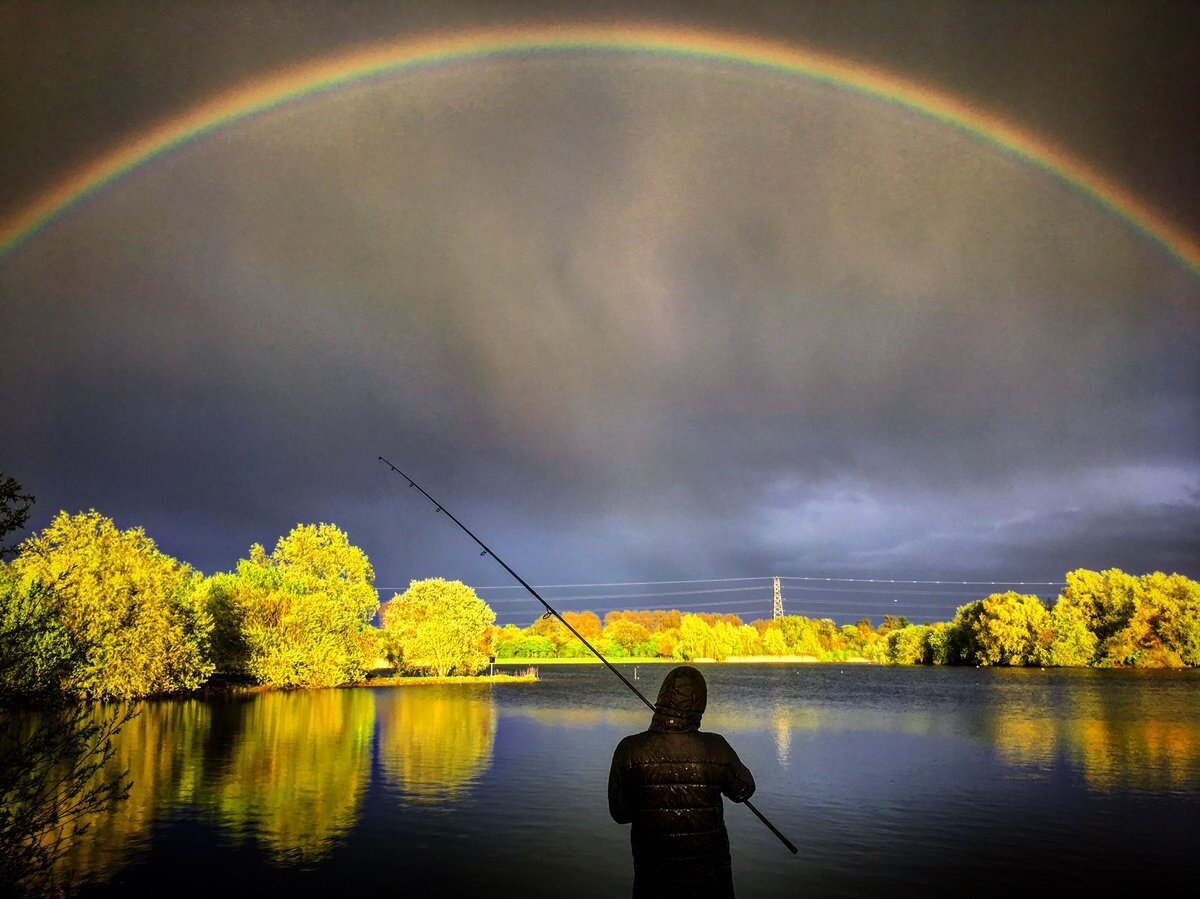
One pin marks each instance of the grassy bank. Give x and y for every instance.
(528, 677)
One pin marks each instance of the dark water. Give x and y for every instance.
(904, 781)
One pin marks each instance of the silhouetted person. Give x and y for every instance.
(667, 782)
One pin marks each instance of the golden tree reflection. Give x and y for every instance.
(298, 771)
(1125, 742)
(1118, 738)
(1025, 736)
(162, 751)
(435, 743)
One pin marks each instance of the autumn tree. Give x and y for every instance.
(1072, 645)
(668, 643)
(627, 634)
(138, 611)
(1176, 603)
(1164, 628)
(550, 628)
(587, 623)
(438, 626)
(907, 645)
(939, 643)
(300, 615)
(501, 639)
(747, 641)
(958, 644)
(1148, 621)
(653, 620)
(528, 646)
(773, 643)
(695, 639)
(1011, 629)
(1106, 600)
(891, 623)
(801, 635)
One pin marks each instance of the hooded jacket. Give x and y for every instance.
(668, 782)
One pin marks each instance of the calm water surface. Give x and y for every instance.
(889, 780)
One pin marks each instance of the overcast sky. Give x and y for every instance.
(630, 318)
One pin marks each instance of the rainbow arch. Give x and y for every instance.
(752, 53)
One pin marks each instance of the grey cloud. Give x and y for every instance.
(636, 320)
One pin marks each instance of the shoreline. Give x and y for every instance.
(236, 688)
(397, 680)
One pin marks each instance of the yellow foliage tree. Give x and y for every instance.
(438, 626)
(139, 612)
(696, 639)
(773, 643)
(300, 615)
(1106, 599)
(1012, 629)
(626, 634)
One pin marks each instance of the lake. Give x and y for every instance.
(938, 781)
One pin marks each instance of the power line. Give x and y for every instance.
(858, 605)
(639, 608)
(839, 606)
(808, 578)
(823, 590)
(765, 598)
(861, 592)
(880, 580)
(705, 580)
(631, 584)
(638, 595)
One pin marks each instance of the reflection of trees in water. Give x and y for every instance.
(433, 743)
(783, 720)
(294, 773)
(807, 717)
(55, 781)
(298, 770)
(1119, 733)
(161, 751)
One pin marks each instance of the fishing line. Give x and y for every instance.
(551, 611)
(403, 531)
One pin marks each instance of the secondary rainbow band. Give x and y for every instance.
(408, 55)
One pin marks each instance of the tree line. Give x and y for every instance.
(105, 614)
(1101, 619)
(135, 622)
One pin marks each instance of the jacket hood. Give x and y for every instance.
(681, 700)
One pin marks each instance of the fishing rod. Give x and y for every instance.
(550, 610)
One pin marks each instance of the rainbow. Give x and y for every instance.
(751, 53)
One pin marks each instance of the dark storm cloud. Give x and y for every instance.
(1112, 81)
(629, 320)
